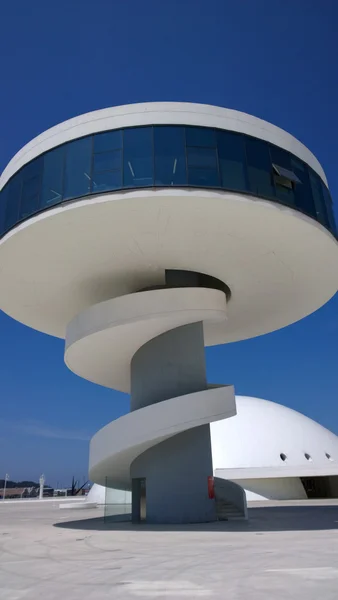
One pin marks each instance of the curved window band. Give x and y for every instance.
(164, 156)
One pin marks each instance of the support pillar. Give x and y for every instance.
(176, 470)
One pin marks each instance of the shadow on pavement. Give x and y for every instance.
(261, 519)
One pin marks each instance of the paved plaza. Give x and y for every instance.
(288, 550)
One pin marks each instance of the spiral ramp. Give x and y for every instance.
(151, 344)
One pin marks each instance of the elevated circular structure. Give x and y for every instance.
(140, 234)
(101, 205)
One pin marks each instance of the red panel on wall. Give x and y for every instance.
(211, 488)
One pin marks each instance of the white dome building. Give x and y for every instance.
(275, 452)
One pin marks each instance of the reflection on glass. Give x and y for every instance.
(3, 204)
(52, 178)
(13, 201)
(111, 140)
(77, 177)
(232, 161)
(138, 157)
(329, 207)
(169, 151)
(30, 197)
(108, 180)
(107, 161)
(259, 167)
(204, 158)
(281, 158)
(200, 136)
(31, 184)
(203, 177)
(303, 192)
(318, 199)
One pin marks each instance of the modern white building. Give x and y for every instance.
(142, 233)
(275, 453)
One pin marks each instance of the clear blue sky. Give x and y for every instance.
(275, 59)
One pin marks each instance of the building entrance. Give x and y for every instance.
(139, 500)
(320, 487)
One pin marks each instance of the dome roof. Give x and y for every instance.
(266, 435)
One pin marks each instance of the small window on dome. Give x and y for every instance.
(328, 456)
(307, 456)
(283, 456)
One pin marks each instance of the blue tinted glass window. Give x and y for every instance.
(232, 160)
(13, 201)
(31, 188)
(259, 167)
(329, 208)
(200, 136)
(112, 140)
(107, 180)
(169, 150)
(203, 177)
(316, 186)
(138, 168)
(202, 157)
(3, 204)
(52, 178)
(281, 158)
(303, 192)
(107, 161)
(164, 156)
(32, 169)
(77, 175)
(30, 197)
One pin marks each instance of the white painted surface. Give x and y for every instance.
(230, 493)
(97, 494)
(246, 449)
(261, 431)
(102, 340)
(273, 488)
(159, 113)
(113, 448)
(279, 264)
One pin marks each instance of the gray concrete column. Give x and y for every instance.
(169, 365)
(176, 471)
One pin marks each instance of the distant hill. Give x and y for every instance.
(19, 484)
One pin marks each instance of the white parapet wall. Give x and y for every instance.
(98, 496)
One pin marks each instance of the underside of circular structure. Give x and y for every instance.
(141, 234)
(278, 264)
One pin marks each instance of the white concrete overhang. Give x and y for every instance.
(279, 264)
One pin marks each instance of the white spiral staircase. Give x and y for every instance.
(101, 345)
